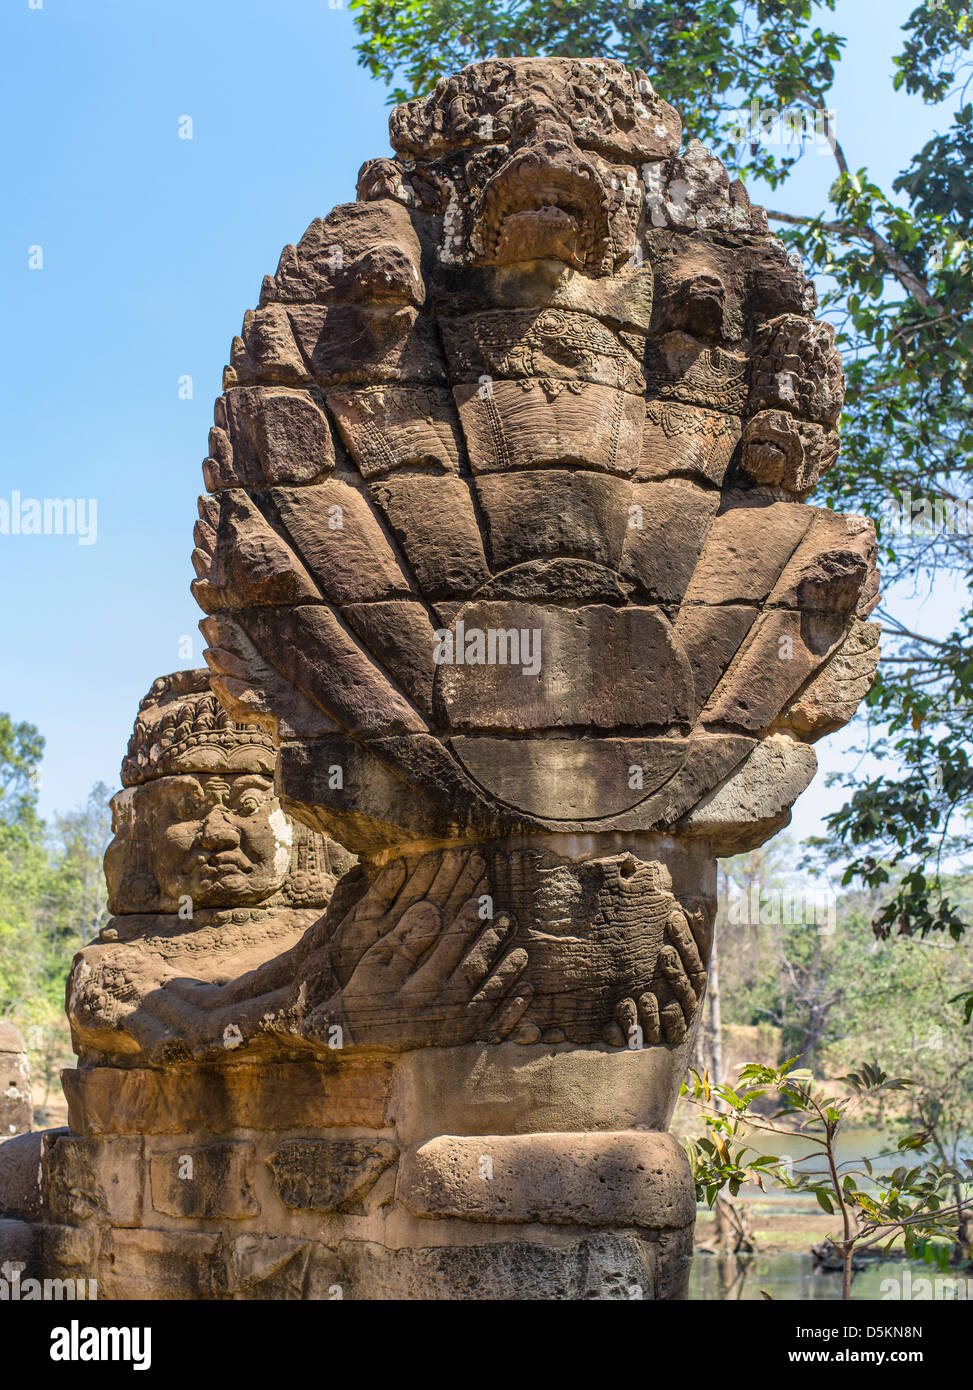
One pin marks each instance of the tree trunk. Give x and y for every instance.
(733, 1230)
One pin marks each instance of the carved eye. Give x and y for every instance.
(189, 805)
(250, 803)
(481, 167)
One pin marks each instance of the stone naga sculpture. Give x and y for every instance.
(506, 542)
(506, 548)
(506, 538)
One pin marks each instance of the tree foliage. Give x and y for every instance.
(52, 897)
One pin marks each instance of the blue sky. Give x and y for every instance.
(153, 246)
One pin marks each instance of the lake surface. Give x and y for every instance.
(793, 1276)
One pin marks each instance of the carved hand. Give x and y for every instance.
(665, 1012)
(435, 971)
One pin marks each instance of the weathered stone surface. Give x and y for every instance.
(433, 519)
(278, 1095)
(523, 424)
(359, 251)
(531, 515)
(69, 1252)
(271, 436)
(205, 1181)
(329, 1174)
(342, 542)
(388, 427)
(694, 193)
(679, 367)
(554, 681)
(268, 1267)
(162, 1265)
(16, 1109)
(540, 350)
(90, 1178)
(732, 568)
(782, 650)
(831, 697)
(22, 1183)
(240, 561)
(363, 344)
(797, 367)
(400, 632)
(667, 529)
(581, 779)
(755, 801)
(686, 440)
(322, 657)
(699, 287)
(711, 636)
(602, 1267)
(612, 109)
(830, 572)
(620, 1179)
(530, 1089)
(17, 1242)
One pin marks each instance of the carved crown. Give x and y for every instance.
(181, 727)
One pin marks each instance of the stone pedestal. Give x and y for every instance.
(483, 1173)
(527, 1160)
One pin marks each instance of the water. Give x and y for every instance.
(793, 1276)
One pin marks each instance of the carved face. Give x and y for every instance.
(533, 167)
(546, 202)
(222, 840)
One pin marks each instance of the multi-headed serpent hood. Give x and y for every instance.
(505, 527)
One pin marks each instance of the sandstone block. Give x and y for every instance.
(213, 1100)
(609, 1179)
(161, 1265)
(16, 1109)
(205, 1181)
(329, 1174)
(22, 1186)
(91, 1177)
(604, 1267)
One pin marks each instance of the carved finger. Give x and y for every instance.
(499, 983)
(482, 955)
(673, 1023)
(678, 932)
(469, 883)
(511, 1012)
(366, 922)
(649, 1016)
(626, 1016)
(677, 979)
(381, 894)
(447, 868)
(452, 946)
(701, 926)
(409, 941)
(167, 1006)
(420, 883)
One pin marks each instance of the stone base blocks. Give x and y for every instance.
(316, 1181)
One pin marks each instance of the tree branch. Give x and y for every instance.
(848, 232)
